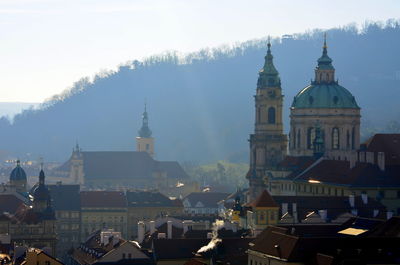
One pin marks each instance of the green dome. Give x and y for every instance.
(324, 96)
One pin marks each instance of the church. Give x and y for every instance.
(125, 169)
(323, 155)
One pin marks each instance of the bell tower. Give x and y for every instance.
(268, 144)
(144, 142)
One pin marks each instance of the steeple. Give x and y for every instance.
(268, 75)
(324, 72)
(144, 142)
(268, 143)
(145, 131)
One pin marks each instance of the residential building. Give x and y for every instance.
(149, 205)
(108, 247)
(67, 207)
(103, 210)
(203, 203)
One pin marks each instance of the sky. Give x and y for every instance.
(47, 45)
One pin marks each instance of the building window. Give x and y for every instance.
(258, 115)
(353, 138)
(271, 115)
(298, 138)
(335, 138)
(310, 137)
(123, 255)
(129, 255)
(348, 139)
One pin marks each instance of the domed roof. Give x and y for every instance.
(324, 96)
(18, 173)
(41, 193)
(324, 91)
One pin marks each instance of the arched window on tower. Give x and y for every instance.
(258, 115)
(298, 138)
(348, 139)
(335, 138)
(310, 137)
(353, 138)
(271, 115)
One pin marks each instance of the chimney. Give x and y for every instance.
(351, 200)
(140, 231)
(354, 212)
(376, 212)
(284, 208)
(234, 227)
(361, 157)
(369, 157)
(389, 215)
(209, 235)
(169, 229)
(294, 211)
(207, 224)
(323, 214)
(152, 227)
(186, 225)
(381, 161)
(364, 198)
(353, 160)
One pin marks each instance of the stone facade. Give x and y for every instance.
(268, 144)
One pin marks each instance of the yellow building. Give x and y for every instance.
(264, 212)
(103, 210)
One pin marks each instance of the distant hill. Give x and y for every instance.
(12, 108)
(201, 106)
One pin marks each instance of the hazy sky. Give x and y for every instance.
(46, 45)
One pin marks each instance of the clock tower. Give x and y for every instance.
(268, 143)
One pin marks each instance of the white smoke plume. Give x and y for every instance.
(214, 240)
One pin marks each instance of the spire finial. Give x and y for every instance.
(41, 163)
(269, 44)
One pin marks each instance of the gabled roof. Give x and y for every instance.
(387, 143)
(124, 165)
(361, 175)
(9, 203)
(264, 200)
(149, 199)
(112, 164)
(65, 197)
(103, 199)
(208, 199)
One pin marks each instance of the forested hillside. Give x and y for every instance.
(201, 106)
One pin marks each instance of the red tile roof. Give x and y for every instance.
(103, 199)
(9, 203)
(362, 175)
(264, 200)
(208, 199)
(387, 143)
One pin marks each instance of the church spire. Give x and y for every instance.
(268, 75)
(145, 131)
(324, 72)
